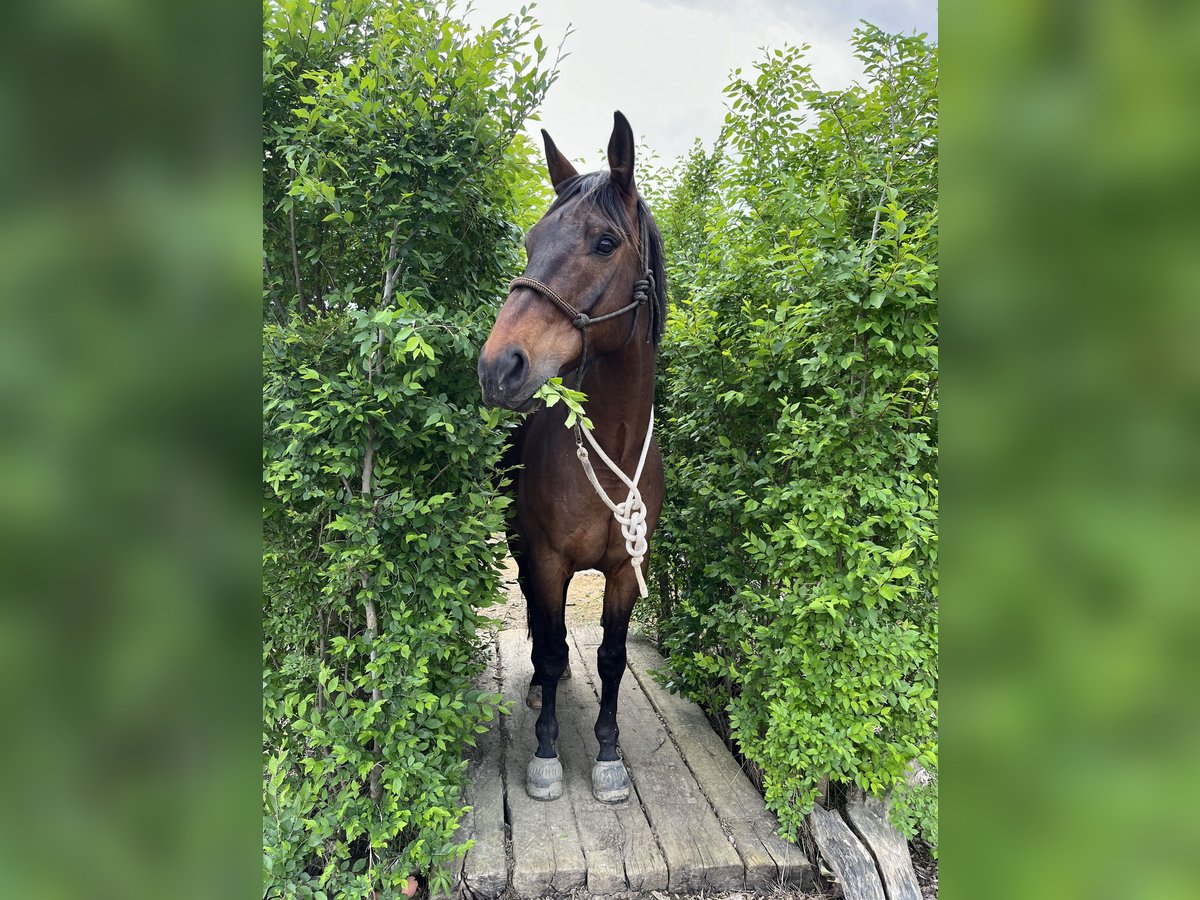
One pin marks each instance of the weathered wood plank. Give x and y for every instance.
(547, 852)
(849, 860)
(767, 857)
(698, 854)
(618, 844)
(868, 817)
(485, 869)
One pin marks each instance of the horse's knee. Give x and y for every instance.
(610, 661)
(553, 666)
(551, 657)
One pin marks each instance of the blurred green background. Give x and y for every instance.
(129, 447)
(1071, 428)
(129, 402)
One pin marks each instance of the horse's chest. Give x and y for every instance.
(557, 503)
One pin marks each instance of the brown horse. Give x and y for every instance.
(591, 305)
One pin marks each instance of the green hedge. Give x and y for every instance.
(391, 186)
(797, 555)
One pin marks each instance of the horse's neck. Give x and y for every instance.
(620, 390)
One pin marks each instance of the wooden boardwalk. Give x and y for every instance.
(692, 823)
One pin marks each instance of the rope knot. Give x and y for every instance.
(630, 513)
(642, 289)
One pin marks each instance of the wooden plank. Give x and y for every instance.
(767, 857)
(849, 860)
(618, 843)
(546, 848)
(485, 869)
(698, 854)
(868, 817)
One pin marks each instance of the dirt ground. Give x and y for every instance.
(585, 599)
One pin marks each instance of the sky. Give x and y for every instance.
(664, 62)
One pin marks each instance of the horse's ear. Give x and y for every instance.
(559, 166)
(620, 153)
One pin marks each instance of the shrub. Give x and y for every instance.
(915, 809)
(797, 556)
(390, 188)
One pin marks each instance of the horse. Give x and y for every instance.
(591, 305)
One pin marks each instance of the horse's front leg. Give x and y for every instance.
(533, 697)
(610, 781)
(548, 624)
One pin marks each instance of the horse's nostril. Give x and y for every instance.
(518, 365)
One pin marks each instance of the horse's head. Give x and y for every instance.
(587, 250)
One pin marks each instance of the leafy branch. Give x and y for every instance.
(553, 391)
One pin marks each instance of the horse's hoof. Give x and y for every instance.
(543, 778)
(610, 781)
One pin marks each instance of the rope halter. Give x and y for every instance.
(643, 290)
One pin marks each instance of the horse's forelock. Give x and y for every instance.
(596, 190)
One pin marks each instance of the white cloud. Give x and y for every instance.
(664, 63)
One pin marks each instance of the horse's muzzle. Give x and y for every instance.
(504, 377)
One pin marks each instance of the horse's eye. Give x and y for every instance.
(606, 245)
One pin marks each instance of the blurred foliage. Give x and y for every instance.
(798, 419)
(391, 185)
(129, 373)
(1071, 249)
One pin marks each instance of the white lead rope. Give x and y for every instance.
(631, 513)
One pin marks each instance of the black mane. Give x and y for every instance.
(605, 197)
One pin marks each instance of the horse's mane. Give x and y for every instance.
(598, 189)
